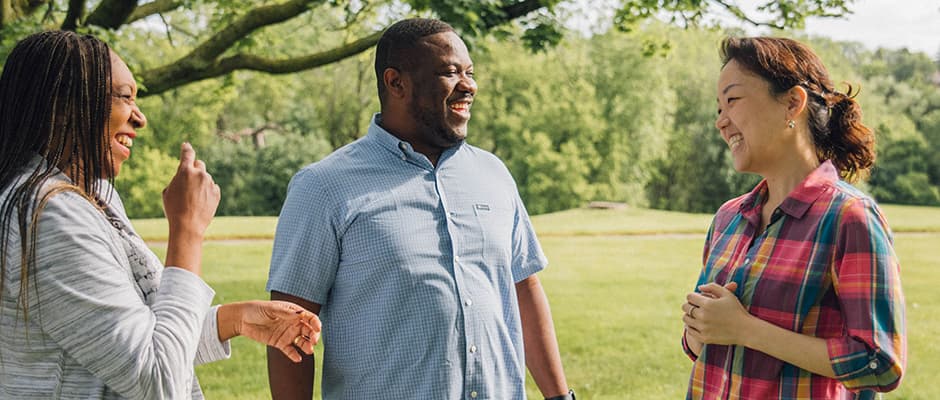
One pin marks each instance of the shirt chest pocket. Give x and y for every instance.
(490, 231)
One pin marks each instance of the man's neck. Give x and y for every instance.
(433, 153)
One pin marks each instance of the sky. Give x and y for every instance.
(914, 24)
(911, 24)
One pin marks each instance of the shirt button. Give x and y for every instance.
(468, 302)
(747, 260)
(873, 365)
(456, 259)
(473, 349)
(473, 394)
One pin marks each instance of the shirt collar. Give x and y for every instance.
(800, 198)
(400, 148)
(384, 138)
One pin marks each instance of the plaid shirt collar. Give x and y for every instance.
(799, 201)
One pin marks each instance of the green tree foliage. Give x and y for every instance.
(552, 140)
(901, 174)
(550, 179)
(902, 105)
(694, 173)
(216, 38)
(627, 115)
(638, 106)
(142, 180)
(641, 122)
(254, 181)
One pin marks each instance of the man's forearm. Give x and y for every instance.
(290, 380)
(538, 332)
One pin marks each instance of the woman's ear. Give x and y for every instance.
(796, 99)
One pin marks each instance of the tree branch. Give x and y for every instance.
(75, 13)
(520, 9)
(165, 78)
(154, 7)
(203, 63)
(237, 136)
(12, 10)
(111, 14)
(736, 11)
(254, 19)
(6, 12)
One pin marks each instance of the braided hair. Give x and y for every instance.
(55, 101)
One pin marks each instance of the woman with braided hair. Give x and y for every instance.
(86, 310)
(800, 294)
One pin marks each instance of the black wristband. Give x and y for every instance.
(567, 396)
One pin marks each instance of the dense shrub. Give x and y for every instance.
(142, 179)
(254, 181)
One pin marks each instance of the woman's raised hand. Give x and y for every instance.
(192, 197)
(189, 202)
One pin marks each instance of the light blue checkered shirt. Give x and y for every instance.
(415, 267)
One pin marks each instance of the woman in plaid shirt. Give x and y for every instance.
(800, 294)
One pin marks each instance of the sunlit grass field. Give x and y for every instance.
(616, 281)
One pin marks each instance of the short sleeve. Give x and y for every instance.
(306, 244)
(527, 255)
(866, 276)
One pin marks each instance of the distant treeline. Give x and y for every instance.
(621, 116)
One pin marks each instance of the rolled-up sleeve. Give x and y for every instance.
(706, 251)
(688, 350)
(872, 352)
(92, 311)
(210, 348)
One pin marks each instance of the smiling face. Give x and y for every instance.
(125, 117)
(442, 90)
(751, 120)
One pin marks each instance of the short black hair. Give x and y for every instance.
(397, 43)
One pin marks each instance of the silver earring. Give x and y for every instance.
(791, 124)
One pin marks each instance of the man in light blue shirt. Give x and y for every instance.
(415, 248)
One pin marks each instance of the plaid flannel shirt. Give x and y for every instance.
(825, 267)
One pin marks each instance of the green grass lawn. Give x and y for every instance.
(615, 297)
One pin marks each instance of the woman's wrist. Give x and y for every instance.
(751, 330)
(184, 250)
(229, 318)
